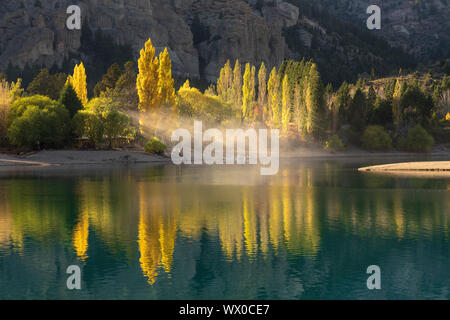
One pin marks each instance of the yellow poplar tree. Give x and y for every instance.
(273, 86)
(262, 91)
(396, 102)
(252, 88)
(309, 108)
(246, 92)
(237, 85)
(225, 82)
(147, 78)
(285, 104)
(78, 82)
(166, 90)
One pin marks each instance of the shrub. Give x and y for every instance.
(101, 120)
(418, 140)
(376, 138)
(334, 143)
(193, 103)
(38, 121)
(155, 146)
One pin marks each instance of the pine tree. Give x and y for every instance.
(273, 86)
(147, 78)
(78, 82)
(70, 100)
(262, 91)
(343, 100)
(285, 104)
(358, 111)
(166, 90)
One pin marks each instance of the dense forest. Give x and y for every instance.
(407, 112)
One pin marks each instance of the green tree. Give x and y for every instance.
(70, 100)
(343, 100)
(101, 120)
(357, 115)
(38, 121)
(109, 79)
(46, 84)
(376, 138)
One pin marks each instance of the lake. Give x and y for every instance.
(224, 232)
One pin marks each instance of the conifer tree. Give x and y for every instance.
(147, 78)
(70, 100)
(166, 90)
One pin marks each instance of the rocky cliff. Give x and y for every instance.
(200, 34)
(420, 27)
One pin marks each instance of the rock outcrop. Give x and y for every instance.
(35, 32)
(420, 27)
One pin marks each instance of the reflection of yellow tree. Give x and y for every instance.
(8, 234)
(35, 215)
(249, 225)
(157, 233)
(80, 236)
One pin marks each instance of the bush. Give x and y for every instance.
(193, 103)
(37, 122)
(376, 138)
(334, 143)
(101, 120)
(418, 140)
(155, 146)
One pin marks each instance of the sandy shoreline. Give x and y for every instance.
(79, 158)
(424, 168)
(50, 158)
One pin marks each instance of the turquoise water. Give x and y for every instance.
(226, 232)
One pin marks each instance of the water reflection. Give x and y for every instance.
(149, 217)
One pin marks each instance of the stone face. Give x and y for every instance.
(37, 35)
(421, 28)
